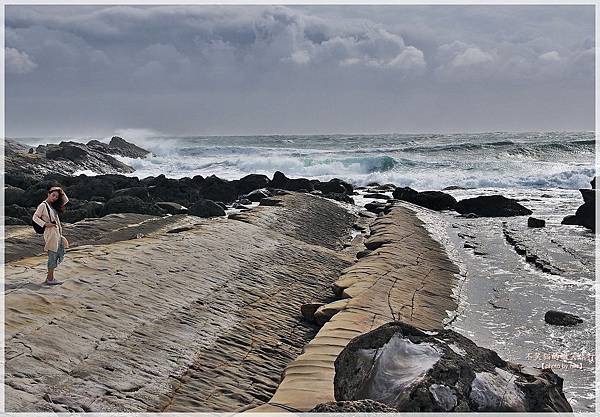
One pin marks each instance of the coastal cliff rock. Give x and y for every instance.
(435, 200)
(413, 371)
(492, 206)
(66, 158)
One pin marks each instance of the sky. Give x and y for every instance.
(245, 70)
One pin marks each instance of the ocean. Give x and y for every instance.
(434, 161)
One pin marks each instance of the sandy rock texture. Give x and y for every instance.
(204, 318)
(406, 276)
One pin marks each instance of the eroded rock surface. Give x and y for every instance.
(205, 319)
(410, 370)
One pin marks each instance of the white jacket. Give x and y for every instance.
(52, 235)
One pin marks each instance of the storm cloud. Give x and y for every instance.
(92, 70)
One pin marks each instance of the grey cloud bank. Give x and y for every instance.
(90, 70)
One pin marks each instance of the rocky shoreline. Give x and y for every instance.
(251, 310)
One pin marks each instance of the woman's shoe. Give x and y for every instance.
(53, 282)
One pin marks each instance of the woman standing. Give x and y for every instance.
(46, 215)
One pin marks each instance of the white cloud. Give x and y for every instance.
(18, 62)
(471, 56)
(551, 56)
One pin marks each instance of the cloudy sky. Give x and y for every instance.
(204, 70)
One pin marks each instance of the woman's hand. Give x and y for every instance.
(66, 242)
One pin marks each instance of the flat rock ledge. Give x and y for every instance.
(202, 319)
(406, 276)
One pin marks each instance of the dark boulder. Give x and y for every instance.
(589, 196)
(37, 193)
(586, 213)
(533, 222)
(492, 206)
(139, 192)
(86, 187)
(334, 185)
(570, 220)
(559, 318)
(13, 210)
(412, 371)
(270, 202)
(217, 189)
(77, 210)
(120, 146)
(128, 204)
(72, 151)
(434, 200)
(252, 182)
(343, 197)
(586, 216)
(376, 207)
(257, 195)
(206, 208)
(171, 208)
(296, 184)
(13, 195)
(453, 187)
(14, 221)
(21, 181)
(377, 196)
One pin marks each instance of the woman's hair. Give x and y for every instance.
(59, 204)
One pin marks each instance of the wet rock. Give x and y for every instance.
(586, 213)
(120, 146)
(343, 197)
(270, 202)
(375, 207)
(358, 406)
(244, 201)
(252, 182)
(206, 208)
(217, 189)
(412, 371)
(129, 204)
(171, 208)
(492, 206)
(296, 184)
(377, 196)
(570, 220)
(469, 215)
(77, 210)
(335, 185)
(13, 195)
(13, 210)
(13, 221)
(453, 187)
(559, 318)
(533, 222)
(257, 195)
(434, 200)
(19, 180)
(139, 192)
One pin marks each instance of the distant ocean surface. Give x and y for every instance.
(432, 161)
